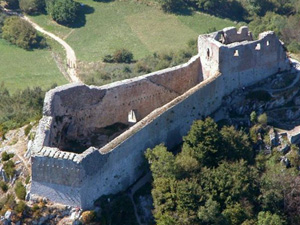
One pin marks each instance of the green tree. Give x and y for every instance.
(235, 214)
(63, 11)
(171, 5)
(267, 218)
(19, 32)
(236, 144)
(230, 182)
(12, 4)
(210, 213)
(32, 6)
(20, 190)
(162, 162)
(203, 142)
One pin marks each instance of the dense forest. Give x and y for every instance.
(220, 177)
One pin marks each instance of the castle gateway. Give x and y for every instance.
(91, 140)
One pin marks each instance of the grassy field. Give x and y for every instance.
(20, 69)
(107, 26)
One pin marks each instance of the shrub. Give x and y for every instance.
(263, 119)
(294, 47)
(27, 180)
(20, 190)
(123, 56)
(20, 207)
(6, 156)
(19, 32)
(88, 217)
(32, 6)
(35, 208)
(9, 168)
(3, 186)
(142, 67)
(63, 11)
(253, 117)
(108, 59)
(27, 129)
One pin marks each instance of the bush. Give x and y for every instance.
(27, 129)
(20, 190)
(27, 180)
(108, 59)
(32, 6)
(3, 186)
(123, 56)
(19, 108)
(20, 32)
(6, 156)
(62, 11)
(294, 47)
(9, 168)
(88, 217)
(263, 119)
(21, 207)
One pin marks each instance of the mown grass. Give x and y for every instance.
(20, 69)
(142, 29)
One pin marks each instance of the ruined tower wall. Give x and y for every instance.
(265, 54)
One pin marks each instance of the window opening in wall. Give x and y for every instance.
(132, 117)
(268, 43)
(208, 53)
(258, 47)
(236, 53)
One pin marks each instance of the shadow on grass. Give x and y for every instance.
(81, 18)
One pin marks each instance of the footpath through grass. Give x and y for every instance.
(107, 26)
(20, 69)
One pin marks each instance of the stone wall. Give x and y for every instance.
(117, 165)
(79, 110)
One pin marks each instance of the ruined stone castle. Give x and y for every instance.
(91, 140)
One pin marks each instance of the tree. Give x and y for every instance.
(210, 213)
(12, 4)
(203, 142)
(236, 144)
(171, 5)
(19, 32)
(162, 162)
(32, 6)
(63, 11)
(20, 190)
(267, 218)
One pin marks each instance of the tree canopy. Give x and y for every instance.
(217, 178)
(63, 11)
(19, 32)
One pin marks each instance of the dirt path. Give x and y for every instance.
(70, 54)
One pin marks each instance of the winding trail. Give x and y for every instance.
(70, 54)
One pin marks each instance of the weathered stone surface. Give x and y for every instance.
(165, 104)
